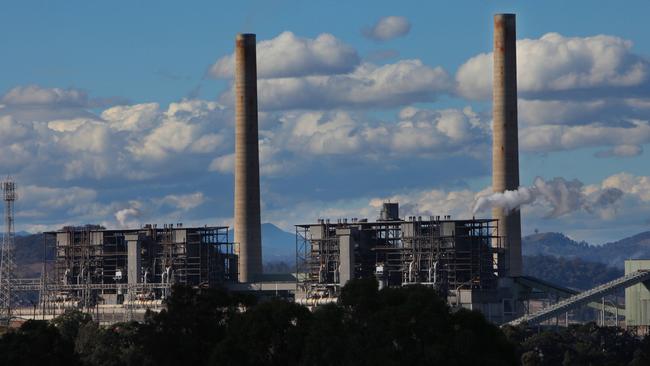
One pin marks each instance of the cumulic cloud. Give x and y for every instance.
(388, 28)
(288, 55)
(555, 63)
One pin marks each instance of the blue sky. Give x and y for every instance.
(120, 112)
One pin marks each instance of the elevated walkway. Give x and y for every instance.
(583, 298)
(564, 292)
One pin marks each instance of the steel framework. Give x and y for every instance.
(7, 261)
(88, 267)
(447, 254)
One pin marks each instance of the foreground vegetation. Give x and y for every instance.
(369, 327)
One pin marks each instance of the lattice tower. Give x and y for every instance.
(7, 259)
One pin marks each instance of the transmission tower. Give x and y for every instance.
(7, 263)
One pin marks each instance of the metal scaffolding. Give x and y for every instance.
(122, 272)
(90, 267)
(446, 254)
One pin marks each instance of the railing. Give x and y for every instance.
(36, 284)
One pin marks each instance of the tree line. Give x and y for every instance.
(392, 326)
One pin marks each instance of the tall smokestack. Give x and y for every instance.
(247, 162)
(505, 147)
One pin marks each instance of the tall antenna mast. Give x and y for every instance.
(7, 262)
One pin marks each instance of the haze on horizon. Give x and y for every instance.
(121, 114)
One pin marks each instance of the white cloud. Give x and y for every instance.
(36, 95)
(294, 139)
(92, 137)
(424, 132)
(170, 137)
(184, 202)
(401, 83)
(566, 111)
(11, 130)
(638, 186)
(388, 28)
(288, 55)
(223, 164)
(302, 73)
(121, 143)
(136, 117)
(557, 137)
(621, 151)
(68, 125)
(127, 217)
(560, 112)
(555, 63)
(50, 198)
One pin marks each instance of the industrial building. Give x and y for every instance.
(637, 298)
(93, 266)
(462, 259)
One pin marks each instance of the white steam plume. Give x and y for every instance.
(122, 216)
(561, 195)
(508, 200)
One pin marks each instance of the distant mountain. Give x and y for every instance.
(19, 233)
(29, 255)
(573, 273)
(278, 245)
(613, 254)
(555, 244)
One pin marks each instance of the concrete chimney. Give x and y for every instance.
(505, 146)
(247, 163)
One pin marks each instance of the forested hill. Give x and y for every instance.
(613, 254)
(29, 255)
(573, 273)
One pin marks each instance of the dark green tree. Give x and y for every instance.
(70, 322)
(270, 333)
(193, 323)
(36, 343)
(119, 344)
(327, 341)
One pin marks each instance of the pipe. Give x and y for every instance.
(317, 301)
(434, 271)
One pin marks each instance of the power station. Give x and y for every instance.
(475, 263)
